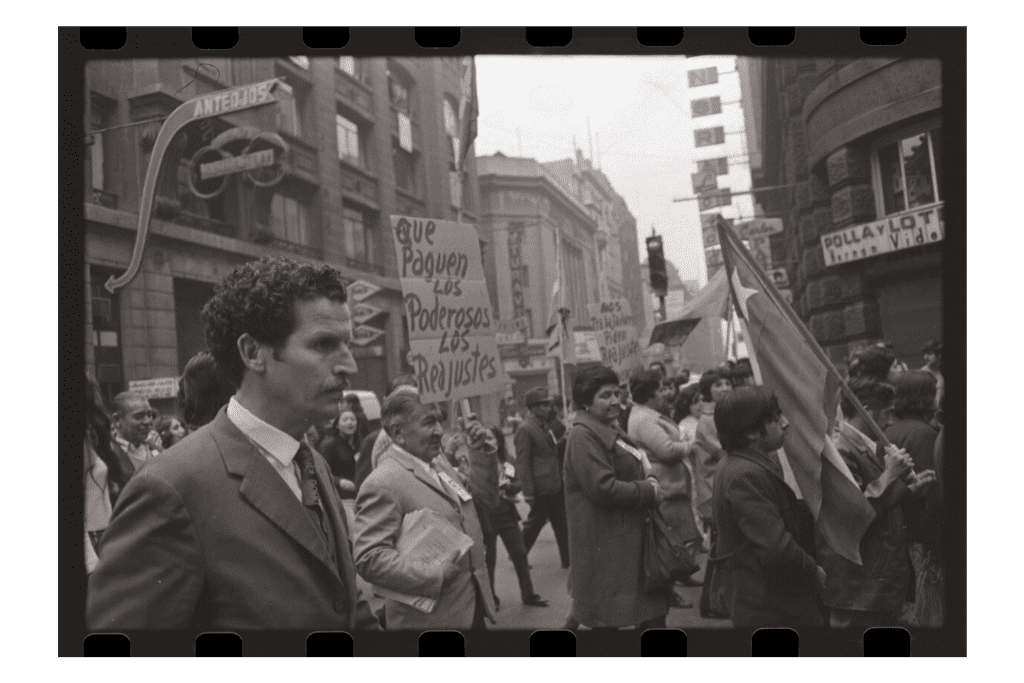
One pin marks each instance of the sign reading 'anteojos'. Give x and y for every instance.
(227, 101)
(913, 228)
(615, 330)
(452, 329)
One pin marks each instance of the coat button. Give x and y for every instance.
(339, 605)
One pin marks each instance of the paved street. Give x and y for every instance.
(549, 581)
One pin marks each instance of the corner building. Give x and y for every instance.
(860, 143)
(367, 138)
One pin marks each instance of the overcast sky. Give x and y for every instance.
(639, 126)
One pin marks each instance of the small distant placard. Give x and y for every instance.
(161, 387)
(615, 330)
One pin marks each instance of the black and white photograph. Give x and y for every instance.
(700, 385)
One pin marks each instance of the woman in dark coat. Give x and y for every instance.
(339, 447)
(607, 495)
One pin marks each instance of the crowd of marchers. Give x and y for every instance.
(275, 487)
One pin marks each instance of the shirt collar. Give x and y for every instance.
(406, 455)
(268, 437)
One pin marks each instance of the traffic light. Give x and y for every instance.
(656, 264)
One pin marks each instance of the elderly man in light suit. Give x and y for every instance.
(411, 476)
(238, 526)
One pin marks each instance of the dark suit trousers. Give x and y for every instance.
(544, 509)
(512, 537)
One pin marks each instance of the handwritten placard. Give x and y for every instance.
(452, 329)
(615, 329)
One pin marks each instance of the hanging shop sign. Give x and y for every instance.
(361, 312)
(361, 289)
(759, 227)
(914, 228)
(196, 109)
(256, 154)
(364, 334)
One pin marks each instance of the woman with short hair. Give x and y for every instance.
(608, 490)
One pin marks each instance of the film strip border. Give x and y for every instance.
(669, 642)
(78, 44)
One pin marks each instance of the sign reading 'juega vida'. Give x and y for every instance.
(913, 228)
(452, 329)
(615, 330)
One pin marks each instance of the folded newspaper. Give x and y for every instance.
(428, 538)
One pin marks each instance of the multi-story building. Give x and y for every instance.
(860, 159)
(523, 206)
(617, 250)
(366, 138)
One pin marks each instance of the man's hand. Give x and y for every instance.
(897, 461)
(659, 491)
(475, 432)
(922, 481)
(450, 567)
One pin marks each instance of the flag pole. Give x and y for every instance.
(726, 233)
(561, 322)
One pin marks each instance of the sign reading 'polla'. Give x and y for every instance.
(913, 228)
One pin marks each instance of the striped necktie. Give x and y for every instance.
(311, 498)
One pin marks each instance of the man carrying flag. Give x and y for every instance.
(790, 363)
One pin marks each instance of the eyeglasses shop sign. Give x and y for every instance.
(906, 230)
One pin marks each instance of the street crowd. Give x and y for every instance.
(233, 516)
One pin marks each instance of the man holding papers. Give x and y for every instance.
(417, 535)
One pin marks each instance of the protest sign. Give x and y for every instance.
(452, 329)
(615, 329)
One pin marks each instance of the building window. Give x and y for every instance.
(400, 92)
(405, 169)
(704, 137)
(347, 63)
(289, 219)
(451, 127)
(100, 115)
(360, 237)
(348, 141)
(718, 166)
(576, 279)
(292, 112)
(706, 107)
(699, 77)
(302, 62)
(909, 171)
(106, 334)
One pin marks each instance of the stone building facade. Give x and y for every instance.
(366, 138)
(857, 143)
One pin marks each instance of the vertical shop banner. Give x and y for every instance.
(616, 333)
(452, 329)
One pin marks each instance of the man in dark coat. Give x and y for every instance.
(540, 473)
(765, 536)
(238, 526)
(872, 593)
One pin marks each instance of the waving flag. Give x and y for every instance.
(794, 366)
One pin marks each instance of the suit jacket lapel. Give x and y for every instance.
(264, 489)
(337, 516)
(405, 460)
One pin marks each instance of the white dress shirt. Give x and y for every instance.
(425, 466)
(277, 447)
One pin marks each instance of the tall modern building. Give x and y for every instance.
(857, 143)
(362, 139)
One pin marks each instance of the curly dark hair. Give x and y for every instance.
(644, 385)
(872, 361)
(259, 298)
(708, 379)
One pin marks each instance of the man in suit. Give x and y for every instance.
(238, 526)
(133, 440)
(413, 475)
(540, 472)
(764, 551)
